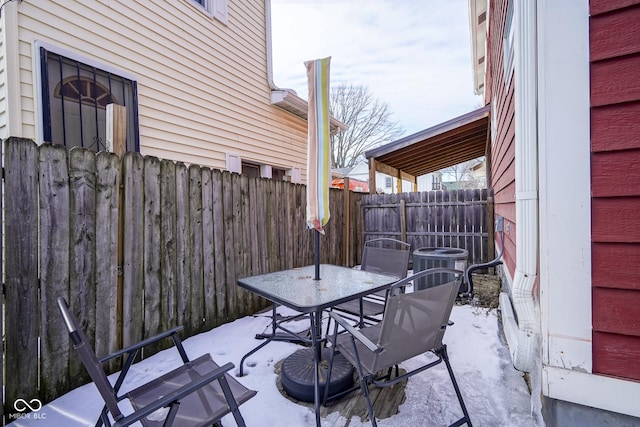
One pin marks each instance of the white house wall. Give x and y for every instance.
(565, 213)
(202, 84)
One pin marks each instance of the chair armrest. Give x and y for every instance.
(355, 333)
(174, 396)
(142, 344)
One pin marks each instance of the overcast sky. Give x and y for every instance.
(413, 54)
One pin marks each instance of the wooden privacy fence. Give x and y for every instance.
(138, 245)
(456, 218)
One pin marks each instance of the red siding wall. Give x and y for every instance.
(500, 94)
(615, 182)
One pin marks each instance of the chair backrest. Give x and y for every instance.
(415, 322)
(386, 256)
(89, 359)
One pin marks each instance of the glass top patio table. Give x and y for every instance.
(297, 289)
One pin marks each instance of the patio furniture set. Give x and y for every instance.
(376, 326)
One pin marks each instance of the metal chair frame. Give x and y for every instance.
(383, 255)
(193, 384)
(413, 323)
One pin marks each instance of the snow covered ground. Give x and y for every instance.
(494, 392)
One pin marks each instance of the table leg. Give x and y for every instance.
(267, 341)
(316, 338)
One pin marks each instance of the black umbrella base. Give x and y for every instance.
(297, 375)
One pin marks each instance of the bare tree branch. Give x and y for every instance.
(461, 173)
(369, 122)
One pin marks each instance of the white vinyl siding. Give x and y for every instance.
(201, 84)
(3, 84)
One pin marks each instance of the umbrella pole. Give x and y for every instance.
(317, 255)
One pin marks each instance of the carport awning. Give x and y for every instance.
(446, 144)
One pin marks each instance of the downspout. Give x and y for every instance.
(522, 327)
(288, 96)
(272, 85)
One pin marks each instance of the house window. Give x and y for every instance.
(204, 4)
(217, 8)
(507, 44)
(251, 170)
(279, 174)
(494, 121)
(388, 182)
(254, 170)
(86, 90)
(74, 101)
(436, 182)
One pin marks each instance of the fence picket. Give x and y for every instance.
(133, 268)
(208, 251)
(21, 270)
(229, 244)
(195, 227)
(151, 254)
(54, 267)
(244, 252)
(168, 245)
(107, 193)
(183, 251)
(272, 226)
(82, 271)
(219, 251)
(251, 236)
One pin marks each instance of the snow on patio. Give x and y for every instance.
(494, 392)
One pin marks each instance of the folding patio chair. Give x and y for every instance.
(386, 256)
(413, 323)
(198, 393)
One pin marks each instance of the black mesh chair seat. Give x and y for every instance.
(384, 256)
(197, 393)
(413, 323)
(208, 402)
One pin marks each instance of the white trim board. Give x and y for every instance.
(597, 391)
(565, 204)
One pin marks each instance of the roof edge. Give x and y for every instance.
(288, 100)
(438, 129)
(478, 30)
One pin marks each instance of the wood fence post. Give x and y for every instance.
(372, 176)
(116, 128)
(491, 247)
(347, 220)
(403, 220)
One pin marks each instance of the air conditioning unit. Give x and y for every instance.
(427, 258)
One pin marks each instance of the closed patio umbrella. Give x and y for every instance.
(318, 151)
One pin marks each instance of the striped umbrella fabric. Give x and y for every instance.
(319, 144)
